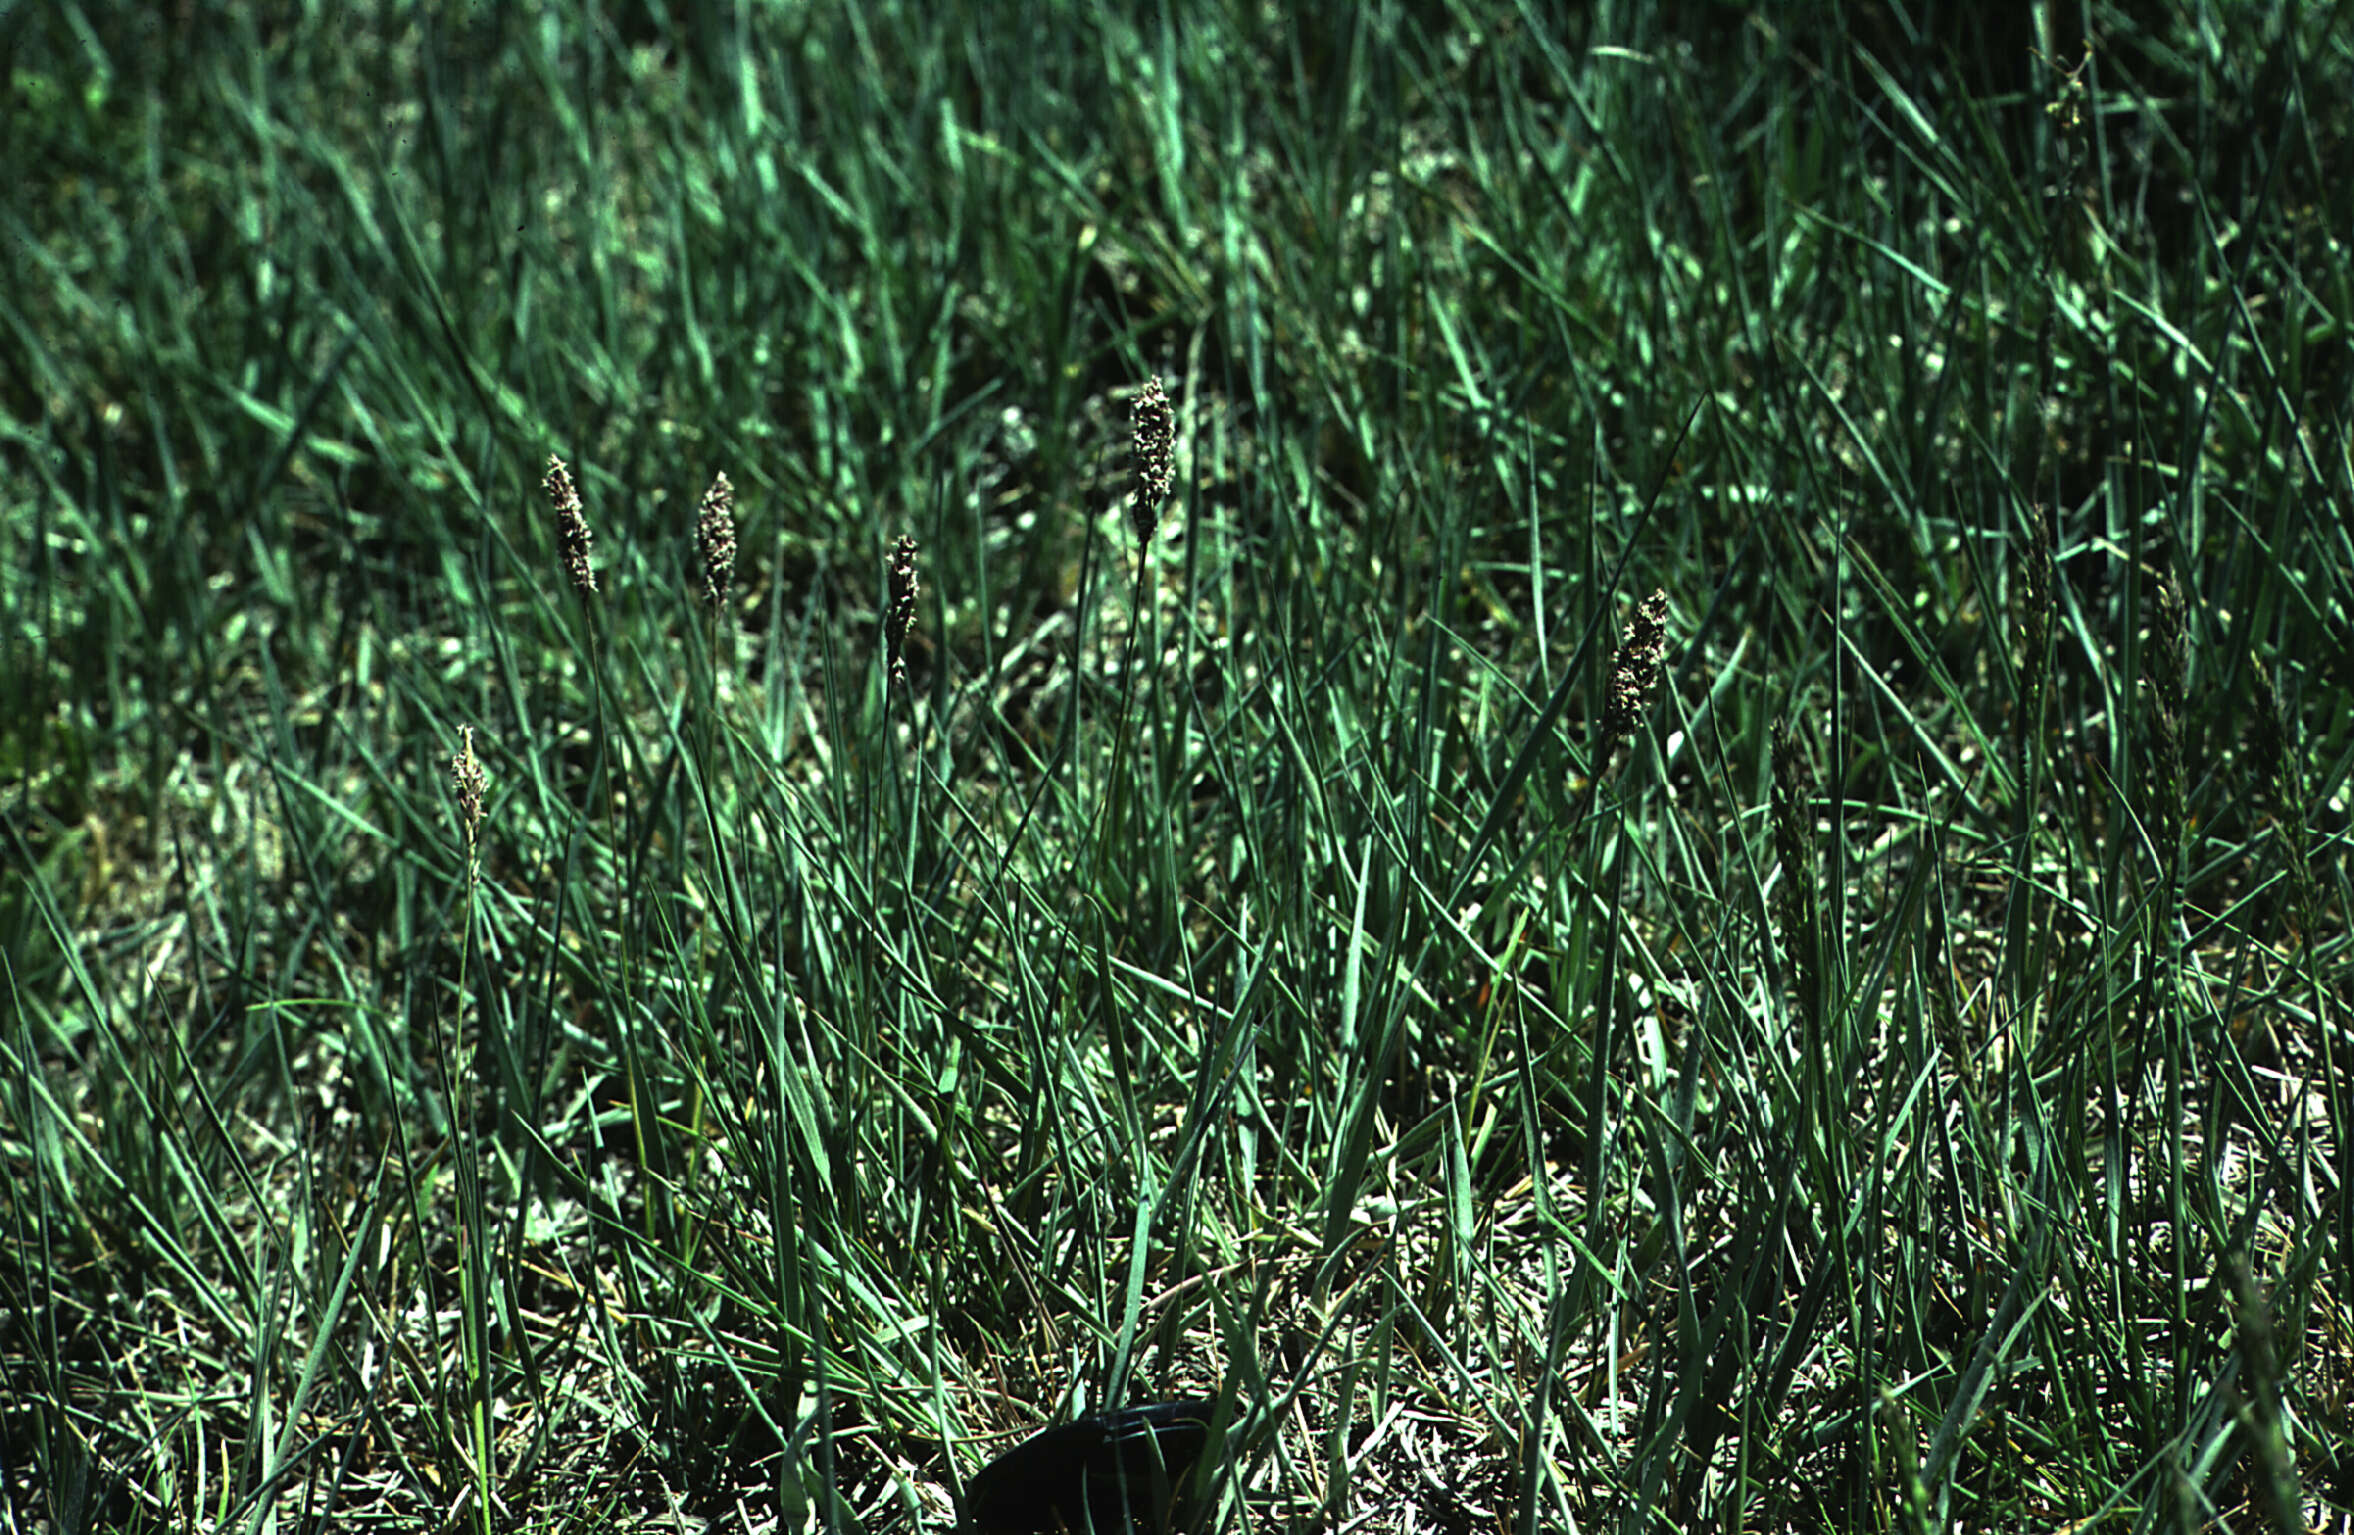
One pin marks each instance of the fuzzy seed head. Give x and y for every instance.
(2035, 607)
(1634, 675)
(1153, 421)
(715, 540)
(2170, 673)
(1793, 827)
(468, 782)
(900, 617)
(2168, 667)
(572, 529)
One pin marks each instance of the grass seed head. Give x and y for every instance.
(2035, 602)
(1634, 675)
(900, 617)
(715, 539)
(1153, 420)
(2170, 669)
(572, 529)
(1793, 823)
(468, 782)
(2031, 633)
(2167, 666)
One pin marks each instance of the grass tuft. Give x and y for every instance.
(1866, 1051)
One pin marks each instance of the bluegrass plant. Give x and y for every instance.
(1600, 761)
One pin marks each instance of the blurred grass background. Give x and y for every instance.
(1899, 1085)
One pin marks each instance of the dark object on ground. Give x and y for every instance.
(1114, 1472)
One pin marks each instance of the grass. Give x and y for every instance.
(1890, 1074)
